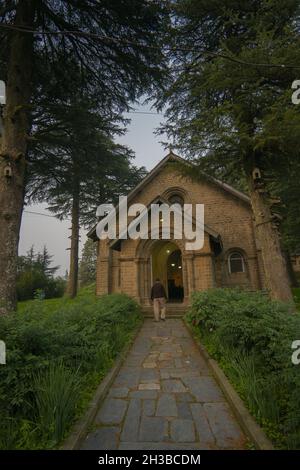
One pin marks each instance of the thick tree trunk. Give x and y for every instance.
(73, 274)
(13, 151)
(276, 274)
(293, 278)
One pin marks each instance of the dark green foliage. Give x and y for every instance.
(87, 266)
(296, 292)
(35, 277)
(74, 163)
(251, 337)
(73, 156)
(226, 108)
(29, 282)
(115, 51)
(54, 288)
(287, 187)
(233, 107)
(56, 395)
(116, 48)
(51, 350)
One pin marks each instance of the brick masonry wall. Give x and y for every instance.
(224, 213)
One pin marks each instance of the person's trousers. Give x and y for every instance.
(159, 307)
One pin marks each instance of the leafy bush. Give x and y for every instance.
(31, 282)
(251, 338)
(49, 342)
(296, 292)
(55, 287)
(56, 397)
(36, 276)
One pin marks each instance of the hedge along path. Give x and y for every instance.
(164, 397)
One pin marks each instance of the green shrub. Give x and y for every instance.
(83, 335)
(30, 283)
(296, 293)
(251, 338)
(55, 287)
(56, 394)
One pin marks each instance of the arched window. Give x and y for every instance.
(176, 199)
(236, 263)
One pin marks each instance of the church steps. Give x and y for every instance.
(173, 310)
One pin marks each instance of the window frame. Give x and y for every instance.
(241, 257)
(176, 195)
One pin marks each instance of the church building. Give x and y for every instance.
(229, 257)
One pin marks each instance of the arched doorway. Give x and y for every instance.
(166, 264)
(175, 280)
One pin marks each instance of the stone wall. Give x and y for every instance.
(226, 214)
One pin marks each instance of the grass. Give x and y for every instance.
(58, 351)
(250, 337)
(240, 369)
(87, 292)
(56, 398)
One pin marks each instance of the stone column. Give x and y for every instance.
(147, 273)
(185, 279)
(191, 273)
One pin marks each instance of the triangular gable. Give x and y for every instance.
(215, 235)
(172, 157)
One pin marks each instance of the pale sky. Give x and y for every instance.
(39, 230)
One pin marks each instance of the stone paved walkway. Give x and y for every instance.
(164, 397)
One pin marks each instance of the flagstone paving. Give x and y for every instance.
(164, 397)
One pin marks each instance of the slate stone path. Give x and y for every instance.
(164, 397)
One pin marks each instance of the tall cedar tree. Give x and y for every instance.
(74, 165)
(225, 110)
(87, 266)
(116, 50)
(40, 261)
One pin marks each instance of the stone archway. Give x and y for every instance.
(155, 259)
(166, 264)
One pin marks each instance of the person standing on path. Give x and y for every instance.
(158, 296)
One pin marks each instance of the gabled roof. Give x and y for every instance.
(160, 200)
(172, 157)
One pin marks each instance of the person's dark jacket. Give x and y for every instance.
(158, 291)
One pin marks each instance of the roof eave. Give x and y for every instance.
(173, 157)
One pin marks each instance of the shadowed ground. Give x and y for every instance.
(164, 397)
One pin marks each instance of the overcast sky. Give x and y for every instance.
(39, 230)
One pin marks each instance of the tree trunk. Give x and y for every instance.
(73, 274)
(293, 278)
(275, 268)
(13, 151)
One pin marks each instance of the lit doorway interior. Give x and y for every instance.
(166, 263)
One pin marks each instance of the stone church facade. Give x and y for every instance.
(230, 255)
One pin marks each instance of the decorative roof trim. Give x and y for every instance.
(216, 236)
(175, 158)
